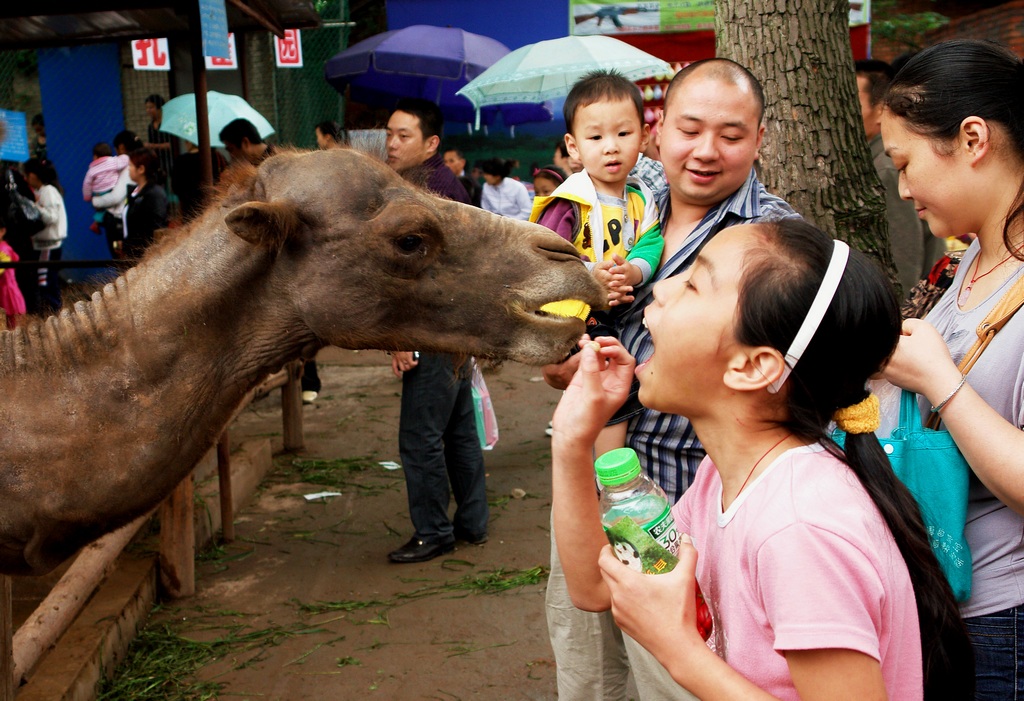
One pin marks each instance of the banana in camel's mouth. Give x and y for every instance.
(567, 308)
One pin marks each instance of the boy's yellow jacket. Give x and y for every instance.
(641, 243)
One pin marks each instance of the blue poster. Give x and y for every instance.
(213, 22)
(14, 146)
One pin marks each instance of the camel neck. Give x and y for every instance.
(159, 358)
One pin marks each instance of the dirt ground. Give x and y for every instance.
(306, 594)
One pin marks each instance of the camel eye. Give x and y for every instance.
(410, 243)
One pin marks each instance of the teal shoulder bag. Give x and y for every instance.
(929, 463)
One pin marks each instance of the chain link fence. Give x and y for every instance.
(19, 83)
(295, 100)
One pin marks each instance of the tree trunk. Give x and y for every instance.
(815, 154)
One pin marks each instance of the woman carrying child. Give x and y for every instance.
(814, 563)
(954, 126)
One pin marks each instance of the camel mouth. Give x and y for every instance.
(552, 329)
(564, 317)
(557, 316)
(565, 308)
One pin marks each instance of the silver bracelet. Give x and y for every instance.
(938, 407)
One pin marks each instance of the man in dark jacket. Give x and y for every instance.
(456, 162)
(437, 437)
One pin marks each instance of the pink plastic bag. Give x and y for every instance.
(486, 421)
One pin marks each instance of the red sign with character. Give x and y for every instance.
(289, 49)
(151, 55)
(215, 63)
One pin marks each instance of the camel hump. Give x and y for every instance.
(266, 224)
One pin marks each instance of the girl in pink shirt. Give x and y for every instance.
(814, 563)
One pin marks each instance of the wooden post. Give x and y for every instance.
(227, 502)
(58, 610)
(291, 407)
(178, 542)
(195, 39)
(6, 640)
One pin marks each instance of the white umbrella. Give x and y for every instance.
(179, 116)
(547, 69)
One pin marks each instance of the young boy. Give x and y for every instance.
(610, 218)
(105, 183)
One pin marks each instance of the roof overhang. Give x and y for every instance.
(71, 22)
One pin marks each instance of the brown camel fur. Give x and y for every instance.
(106, 407)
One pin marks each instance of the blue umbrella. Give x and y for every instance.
(427, 62)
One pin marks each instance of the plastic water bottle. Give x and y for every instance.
(637, 518)
(636, 514)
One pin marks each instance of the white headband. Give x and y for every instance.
(820, 305)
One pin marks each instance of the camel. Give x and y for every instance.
(108, 406)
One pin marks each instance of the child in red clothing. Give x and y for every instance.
(11, 300)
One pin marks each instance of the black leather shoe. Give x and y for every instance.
(418, 551)
(471, 538)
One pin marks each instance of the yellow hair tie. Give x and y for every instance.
(862, 417)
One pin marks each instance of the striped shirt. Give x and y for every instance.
(667, 446)
(102, 175)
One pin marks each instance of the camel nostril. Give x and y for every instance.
(556, 248)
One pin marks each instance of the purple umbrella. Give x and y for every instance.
(427, 62)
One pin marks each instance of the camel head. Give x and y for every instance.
(369, 260)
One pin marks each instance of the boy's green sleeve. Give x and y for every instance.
(649, 248)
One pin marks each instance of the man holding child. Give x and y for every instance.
(709, 137)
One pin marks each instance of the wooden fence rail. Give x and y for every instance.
(21, 650)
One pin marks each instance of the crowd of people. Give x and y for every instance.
(813, 559)
(125, 185)
(738, 336)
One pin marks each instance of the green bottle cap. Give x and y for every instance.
(617, 467)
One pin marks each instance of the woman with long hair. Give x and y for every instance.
(954, 126)
(42, 178)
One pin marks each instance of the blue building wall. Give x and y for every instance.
(82, 104)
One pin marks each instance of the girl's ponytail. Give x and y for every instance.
(946, 651)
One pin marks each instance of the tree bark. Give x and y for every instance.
(815, 153)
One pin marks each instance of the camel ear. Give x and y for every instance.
(266, 224)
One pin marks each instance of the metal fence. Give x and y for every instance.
(19, 82)
(295, 100)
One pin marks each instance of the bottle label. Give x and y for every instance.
(650, 550)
